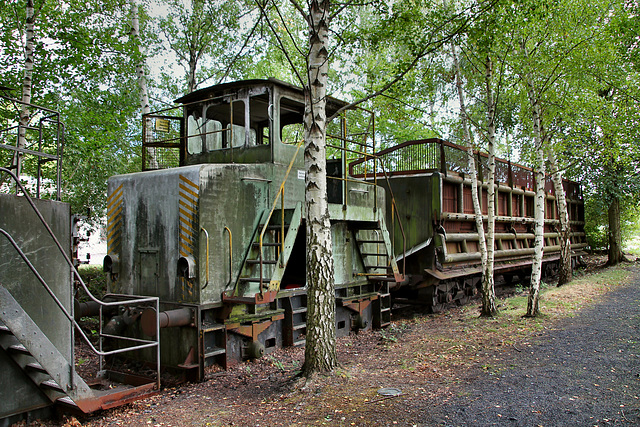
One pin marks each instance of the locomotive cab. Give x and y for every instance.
(252, 121)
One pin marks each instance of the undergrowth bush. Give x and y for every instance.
(95, 279)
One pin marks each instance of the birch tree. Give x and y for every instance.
(483, 50)
(320, 347)
(27, 80)
(485, 241)
(82, 67)
(320, 351)
(210, 39)
(143, 92)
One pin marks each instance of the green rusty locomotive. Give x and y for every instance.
(214, 225)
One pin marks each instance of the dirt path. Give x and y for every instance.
(586, 372)
(452, 369)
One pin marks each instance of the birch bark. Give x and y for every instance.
(485, 242)
(142, 83)
(320, 349)
(533, 308)
(488, 284)
(565, 273)
(27, 79)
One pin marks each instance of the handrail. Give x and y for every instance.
(280, 195)
(52, 117)
(206, 233)
(394, 209)
(227, 229)
(511, 170)
(77, 276)
(365, 157)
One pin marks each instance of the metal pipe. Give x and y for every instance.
(164, 319)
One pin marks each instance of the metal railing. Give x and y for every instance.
(367, 153)
(44, 116)
(142, 344)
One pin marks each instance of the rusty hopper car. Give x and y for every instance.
(219, 237)
(430, 182)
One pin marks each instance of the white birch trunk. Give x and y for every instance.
(565, 272)
(26, 86)
(536, 267)
(320, 350)
(488, 282)
(485, 244)
(142, 84)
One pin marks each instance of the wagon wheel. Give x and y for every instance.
(464, 300)
(436, 308)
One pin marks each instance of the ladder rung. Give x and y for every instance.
(300, 326)
(257, 261)
(276, 227)
(215, 352)
(370, 241)
(373, 254)
(256, 244)
(299, 310)
(212, 327)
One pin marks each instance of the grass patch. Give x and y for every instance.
(467, 340)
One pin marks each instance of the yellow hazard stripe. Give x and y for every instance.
(187, 231)
(188, 190)
(186, 248)
(185, 213)
(187, 206)
(188, 181)
(188, 198)
(111, 199)
(112, 215)
(187, 238)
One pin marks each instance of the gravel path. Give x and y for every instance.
(586, 372)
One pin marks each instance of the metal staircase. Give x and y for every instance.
(39, 358)
(374, 245)
(267, 256)
(33, 352)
